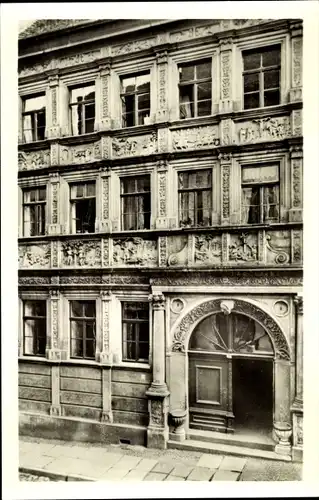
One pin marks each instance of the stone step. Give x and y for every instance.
(250, 441)
(226, 449)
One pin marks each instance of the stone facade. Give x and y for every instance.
(185, 273)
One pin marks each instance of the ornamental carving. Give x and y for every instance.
(178, 257)
(162, 193)
(105, 96)
(188, 322)
(296, 247)
(54, 204)
(296, 62)
(179, 36)
(195, 138)
(243, 248)
(162, 140)
(54, 106)
(134, 46)
(134, 251)
(81, 253)
(34, 255)
(134, 146)
(225, 191)
(207, 30)
(156, 416)
(54, 322)
(54, 253)
(296, 165)
(81, 280)
(226, 74)
(62, 62)
(105, 198)
(162, 94)
(80, 154)
(208, 249)
(265, 129)
(33, 159)
(34, 280)
(226, 132)
(297, 122)
(105, 297)
(299, 431)
(157, 300)
(278, 247)
(162, 242)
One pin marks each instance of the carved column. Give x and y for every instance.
(297, 407)
(161, 220)
(225, 173)
(282, 420)
(105, 355)
(53, 351)
(54, 226)
(296, 60)
(103, 120)
(162, 85)
(295, 212)
(103, 222)
(226, 67)
(52, 115)
(157, 431)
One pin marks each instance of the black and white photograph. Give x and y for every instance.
(160, 244)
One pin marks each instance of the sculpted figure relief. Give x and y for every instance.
(134, 251)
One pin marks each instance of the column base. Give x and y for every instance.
(107, 417)
(106, 358)
(55, 411)
(283, 449)
(157, 438)
(295, 215)
(53, 354)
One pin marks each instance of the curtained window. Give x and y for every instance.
(34, 207)
(82, 106)
(195, 198)
(136, 100)
(261, 77)
(34, 327)
(33, 118)
(83, 203)
(260, 194)
(195, 89)
(136, 202)
(82, 329)
(135, 331)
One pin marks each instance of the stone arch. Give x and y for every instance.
(191, 319)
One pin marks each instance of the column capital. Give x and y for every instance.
(105, 295)
(54, 293)
(296, 151)
(157, 300)
(225, 157)
(298, 301)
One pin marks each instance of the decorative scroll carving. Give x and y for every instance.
(296, 62)
(225, 191)
(33, 159)
(243, 247)
(81, 253)
(54, 318)
(299, 431)
(278, 247)
(54, 253)
(265, 129)
(162, 186)
(133, 46)
(296, 165)
(62, 62)
(54, 205)
(134, 251)
(34, 280)
(105, 94)
(208, 249)
(195, 138)
(296, 246)
(180, 257)
(81, 154)
(226, 69)
(162, 82)
(34, 255)
(213, 306)
(244, 23)
(105, 198)
(106, 252)
(134, 146)
(162, 242)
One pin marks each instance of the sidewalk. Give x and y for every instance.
(65, 461)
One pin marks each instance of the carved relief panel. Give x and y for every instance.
(195, 138)
(177, 247)
(32, 160)
(278, 247)
(264, 129)
(208, 250)
(138, 145)
(243, 248)
(134, 251)
(34, 255)
(83, 153)
(79, 253)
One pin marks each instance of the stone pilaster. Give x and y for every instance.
(225, 169)
(52, 113)
(162, 201)
(226, 76)
(105, 355)
(296, 61)
(162, 85)
(55, 409)
(282, 420)
(103, 121)
(297, 407)
(103, 223)
(54, 226)
(157, 431)
(296, 161)
(53, 351)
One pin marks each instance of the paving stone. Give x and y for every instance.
(155, 476)
(201, 474)
(57, 450)
(135, 475)
(128, 462)
(181, 470)
(146, 464)
(174, 478)
(68, 465)
(210, 461)
(225, 475)
(34, 460)
(234, 464)
(163, 467)
(267, 470)
(114, 474)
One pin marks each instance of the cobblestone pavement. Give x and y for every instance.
(65, 461)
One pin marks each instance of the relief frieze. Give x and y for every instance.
(34, 256)
(134, 46)
(208, 249)
(83, 153)
(134, 251)
(81, 253)
(134, 146)
(243, 248)
(195, 138)
(31, 160)
(63, 62)
(264, 129)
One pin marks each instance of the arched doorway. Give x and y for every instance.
(230, 360)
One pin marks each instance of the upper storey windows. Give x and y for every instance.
(136, 100)
(33, 118)
(261, 77)
(82, 109)
(195, 89)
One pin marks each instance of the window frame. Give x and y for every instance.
(82, 104)
(135, 194)
(135, 93)
(135, 321)
(195, 82)
(38, 203)
(34, 318)
(73, 202)
(261, 72)
(84, 320)
(195, 190)
(33, 114)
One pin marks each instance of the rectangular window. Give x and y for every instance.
(34, 203)
(136, 100)
(195, 89)
(195, 198)
(261, 77)
(82, 329)
(136, 202)
(135, 331)
(82, 199)
(34, 327)
(82, 105)
(33, 118)
(260, 194)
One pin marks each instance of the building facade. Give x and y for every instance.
(160, 232)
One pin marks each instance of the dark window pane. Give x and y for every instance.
(89, 111)
(42, 194)
(41, 346)
(143, 101)
(251, 101)
(143, 183)
(186, 73)
(85, 216)
(204, 108)
(90, 349)
(142, 115)
(80, 190)
(186, 98)
(128, 103)
(35, 308)
(204, 91)
(77, 329)
(77, 348)
(271, 97)
(203, 70)
(143, 351)
(33, 195)
(251, 60)
(89, 309)
(271, 79)
(251, 205)
(41, 125)
(251, 82)
(128, 120)
(271, 57)
(76, 308)
(89, 126)
(90, 189)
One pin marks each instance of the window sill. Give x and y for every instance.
(84, 362)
